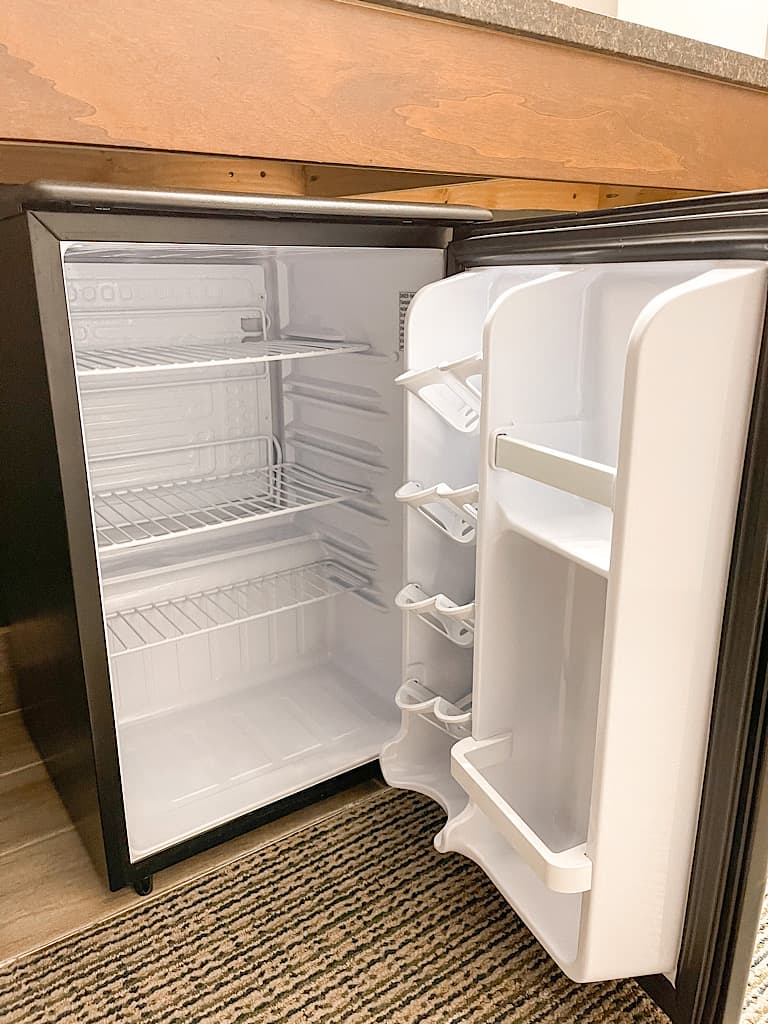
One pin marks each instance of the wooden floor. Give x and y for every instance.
(48, 887)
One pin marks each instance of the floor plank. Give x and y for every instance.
(49, 888)
(16, 748)
(9, 696)
(30, 810)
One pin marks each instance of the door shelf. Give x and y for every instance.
(453, 512)
(140, 515)
(109, 361)
(455, 622)
(582, 535)
(163, 622)
(565, 871)
(451, 389)
(452, 717)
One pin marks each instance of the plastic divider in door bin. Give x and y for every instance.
(450, 390)
(454, 621)
(454, 512)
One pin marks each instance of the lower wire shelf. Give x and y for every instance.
(163, 622)
(137, 515)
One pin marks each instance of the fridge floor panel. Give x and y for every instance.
(189, 770)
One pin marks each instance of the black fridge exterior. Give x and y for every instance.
(51, 585)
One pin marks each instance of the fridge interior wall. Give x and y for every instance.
(244, 442)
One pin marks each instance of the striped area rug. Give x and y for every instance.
(354, 920)
(755, 1009)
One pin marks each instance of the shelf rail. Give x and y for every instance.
(582, 477)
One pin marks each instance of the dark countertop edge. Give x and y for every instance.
(556, 23)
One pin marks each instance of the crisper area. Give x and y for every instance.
(244, 443)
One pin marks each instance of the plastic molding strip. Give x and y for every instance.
(454, 621)
(568, 871)
(592, 480)
(138, 515)
(165, 621)
(453, 512)
(449, 390)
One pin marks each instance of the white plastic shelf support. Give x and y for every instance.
(454, 621)
(567, 871)
(582, 477)
(453, 512)
(453, 717)
(418, 758)
(451, 390)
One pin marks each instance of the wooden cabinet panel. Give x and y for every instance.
(335, 82)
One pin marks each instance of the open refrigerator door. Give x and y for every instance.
(597, 415)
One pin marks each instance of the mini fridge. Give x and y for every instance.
(293, 489)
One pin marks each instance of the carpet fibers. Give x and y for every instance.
(353, 920)
(756, 1000)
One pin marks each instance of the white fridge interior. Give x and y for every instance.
(244, 441)
(488, 541)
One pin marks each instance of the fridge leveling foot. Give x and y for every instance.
(143, 886)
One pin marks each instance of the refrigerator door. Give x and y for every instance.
(661, 548)
(608, 494)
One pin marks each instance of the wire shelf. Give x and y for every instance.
(139, 515)
(165, 621)
(92, 361)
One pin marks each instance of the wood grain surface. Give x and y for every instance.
(111, 165)
(335, 82)
(525, 194)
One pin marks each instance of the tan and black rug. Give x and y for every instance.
(354, 920)
(755, 1009)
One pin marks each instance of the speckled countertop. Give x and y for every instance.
(545, 19)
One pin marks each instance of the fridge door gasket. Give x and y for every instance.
(729, 859)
